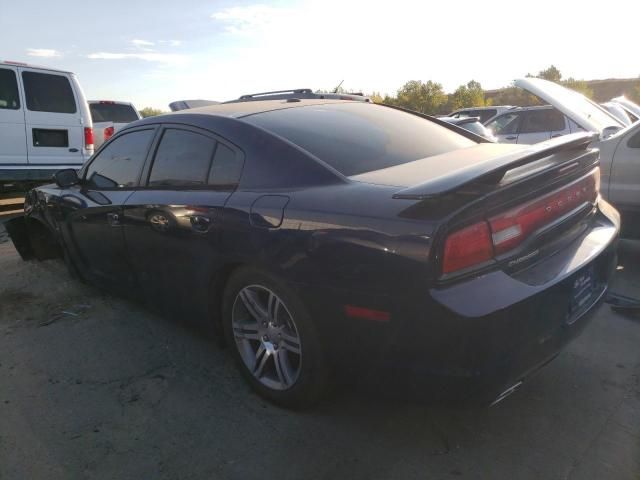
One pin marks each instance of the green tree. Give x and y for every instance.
(376, 97)
(150, 112)
(422, 97)
(579, 86)
(469, 95)
(551, 73)
(515, 96)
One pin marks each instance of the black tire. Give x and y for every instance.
(311, 381)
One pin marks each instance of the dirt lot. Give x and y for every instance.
(92, 386)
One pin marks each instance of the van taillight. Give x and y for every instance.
(88, 137)
(504, 232)
(108, 133)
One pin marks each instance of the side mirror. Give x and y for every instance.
(66, 178)
(608, 131)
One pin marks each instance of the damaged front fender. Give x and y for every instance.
(17, 230)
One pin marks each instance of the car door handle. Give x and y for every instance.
(556, 135)
(74, 150)
(200, 223)
(511, 137)
(113, 219)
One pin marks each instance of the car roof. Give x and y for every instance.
(244, 109)
(460, 121)
(35, 67)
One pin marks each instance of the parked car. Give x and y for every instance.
(324, 236)
(632, 109)
(619, 146)
(483, 113)
(46, 125)
(187, 104)
(472, 124)
(617, 111)
(108, 117)
(529, 125)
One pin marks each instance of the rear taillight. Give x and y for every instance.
(467, 247)
(88, 137)
(510, 229)
(108, 133)
(502, 233)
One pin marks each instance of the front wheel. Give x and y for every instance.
(273, 339)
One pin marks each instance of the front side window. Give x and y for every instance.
(183, 159)
(505, 124)
(119, 164)
(46, 92)
(9, 98)
(634, 142)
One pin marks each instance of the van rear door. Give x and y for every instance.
(13, 143)
(53, 114)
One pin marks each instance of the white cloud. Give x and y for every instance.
(43, 52)
(252, 18)
(142, 43)
(171, 43)
(167, 58)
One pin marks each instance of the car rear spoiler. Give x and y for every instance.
(493, 170)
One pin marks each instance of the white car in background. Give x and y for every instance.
(617, 111)
(108, 117)
(45, 125)
(483, 113)
(619, 145)
(632, 109)
(530, 125)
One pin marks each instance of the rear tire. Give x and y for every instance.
(273, 339)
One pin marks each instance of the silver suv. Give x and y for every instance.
(530, 125)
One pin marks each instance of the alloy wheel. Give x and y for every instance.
(266, 337)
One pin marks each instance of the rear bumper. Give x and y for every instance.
(475, 339)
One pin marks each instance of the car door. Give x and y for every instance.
(95, 208)
(174, 223)
(505, 127)
(13, 142)
(54, 129)
(534, 127)
(624, 183)
(558, 123)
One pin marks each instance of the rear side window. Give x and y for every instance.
(9, 99)
(112, 112)
(356, 138)
(226, 167)
(183, 159)
(119, 164)
(535, 121)
(45, 92)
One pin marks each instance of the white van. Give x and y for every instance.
(45, 123)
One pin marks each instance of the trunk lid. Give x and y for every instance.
(587, 114)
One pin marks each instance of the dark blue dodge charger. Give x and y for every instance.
(317, 235)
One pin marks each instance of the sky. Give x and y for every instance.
(154, 52)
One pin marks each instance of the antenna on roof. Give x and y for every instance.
(335, 90)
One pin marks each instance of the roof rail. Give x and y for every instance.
(297, 90)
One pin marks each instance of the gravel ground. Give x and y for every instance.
(92, 386)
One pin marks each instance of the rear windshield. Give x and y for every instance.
(112, 112)
(356, 138)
